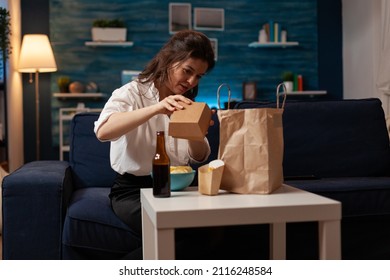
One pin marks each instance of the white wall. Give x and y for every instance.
(361, 48)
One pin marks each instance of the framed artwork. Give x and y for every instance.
(214, 44)
(249, 91)
(129, 75)
(179, 17)
(209, 19)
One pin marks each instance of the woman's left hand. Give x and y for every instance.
(171, 103)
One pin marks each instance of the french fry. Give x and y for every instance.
(180, 169)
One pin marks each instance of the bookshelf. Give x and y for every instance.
(65, 117)
(94, 95)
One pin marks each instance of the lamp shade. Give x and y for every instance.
(36, 54)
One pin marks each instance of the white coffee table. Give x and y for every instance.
(186, 209)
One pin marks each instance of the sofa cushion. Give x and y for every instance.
(88, 156)
(360, 196)
(92, 226)
(346, 138)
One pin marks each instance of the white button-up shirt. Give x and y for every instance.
(133, 152)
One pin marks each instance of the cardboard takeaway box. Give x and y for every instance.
(190, 123)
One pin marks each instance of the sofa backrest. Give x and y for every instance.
(88, 157)
(346, 138)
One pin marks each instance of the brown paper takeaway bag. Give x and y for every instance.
(251, 145)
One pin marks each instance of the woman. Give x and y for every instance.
(138, 109)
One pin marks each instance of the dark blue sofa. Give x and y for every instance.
(338, 149)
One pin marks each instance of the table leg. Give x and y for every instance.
(165, 244)
(330, 240)
(278, 241)
(148, 233)
(157, 244)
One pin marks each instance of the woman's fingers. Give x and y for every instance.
(172, 102)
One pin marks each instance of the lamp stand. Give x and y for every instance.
(36, 55)
(38, 138)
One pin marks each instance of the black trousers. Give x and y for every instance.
(126, 200)
(191, 243)
(126, 203)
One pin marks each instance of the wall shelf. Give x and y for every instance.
(94, 95)
(109, 44)
(272, 44)
(307, 92)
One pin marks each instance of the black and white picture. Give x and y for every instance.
(179, 17)
(209, 19)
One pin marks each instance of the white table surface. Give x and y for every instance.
(189, 208)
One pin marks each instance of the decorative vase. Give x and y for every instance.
(108, 34)
(63, 89)
(289, 86)
(76, 87)
(63, 84)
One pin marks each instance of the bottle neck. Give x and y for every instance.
(160, 147)
(161, 154)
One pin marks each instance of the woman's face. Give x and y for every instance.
(185, 76)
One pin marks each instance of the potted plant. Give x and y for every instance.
(63, 83)
(109, 30)
(288, 80)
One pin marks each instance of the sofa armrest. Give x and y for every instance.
(35, 198)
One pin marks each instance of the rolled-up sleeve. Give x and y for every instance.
(208, 152)
(118, 102)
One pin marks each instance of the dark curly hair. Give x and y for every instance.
(182, 45)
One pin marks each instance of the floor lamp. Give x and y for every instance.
(36, 56)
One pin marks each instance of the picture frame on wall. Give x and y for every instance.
(249, 91)
(179, 17)
(129, 75)
(214, 44)
(209, 19)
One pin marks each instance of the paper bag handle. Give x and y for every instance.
(278, 95)
(219, 89)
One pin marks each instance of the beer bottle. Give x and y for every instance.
(161, 169)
